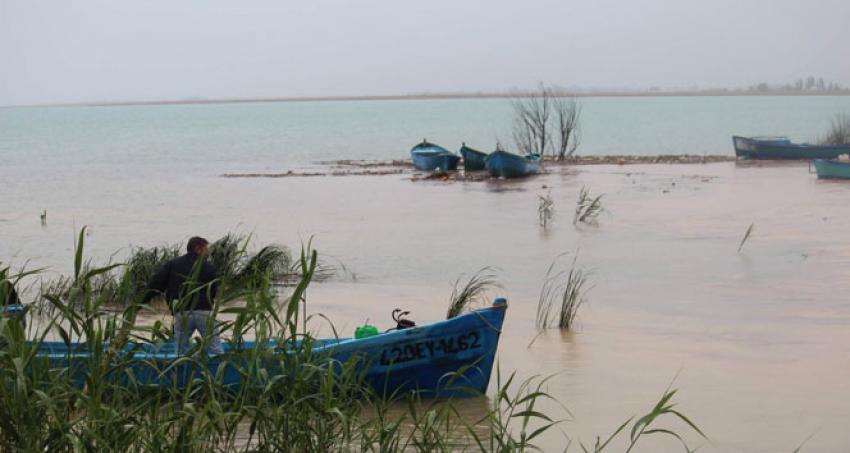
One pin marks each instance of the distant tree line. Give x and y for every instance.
(810, 83)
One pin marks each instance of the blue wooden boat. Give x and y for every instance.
(503, 164)
(832, 169)
(782, 148)
(430, 157)
(13, 311)
(446, 358)
(473, 160)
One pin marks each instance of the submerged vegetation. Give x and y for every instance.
(588, 207)
(746, 236)
(545, 209)
(564, 292)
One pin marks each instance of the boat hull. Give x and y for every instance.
(832, 169)
(430, 157)
(502, 164)
(780, 148)
(473, 160)
(447, 358)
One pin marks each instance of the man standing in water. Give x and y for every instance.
(189, 284)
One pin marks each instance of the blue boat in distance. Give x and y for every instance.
(430, 157)
(473, 160)
(502, 164)
(782, 148)
(832, 169)
(446, 358)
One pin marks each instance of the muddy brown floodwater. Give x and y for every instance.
(758, 341)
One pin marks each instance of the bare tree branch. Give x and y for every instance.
(546, 121)
(567, 113)
(522, 135)
(532, 113)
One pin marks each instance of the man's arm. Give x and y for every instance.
(158, 283)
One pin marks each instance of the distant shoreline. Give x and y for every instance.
(437, 96)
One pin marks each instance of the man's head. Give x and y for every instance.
(198, 245)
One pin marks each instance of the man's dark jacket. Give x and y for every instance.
(9, 293)
(181, 276)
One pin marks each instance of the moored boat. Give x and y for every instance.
(473, 160)
(429, 157)
(445, 358)
(503, 164)
(832, 169)
(782, 148)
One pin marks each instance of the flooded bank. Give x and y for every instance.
(757, 340)
(350, 167)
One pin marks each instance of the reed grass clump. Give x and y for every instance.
(588, 207)
(563, 292)
(143, 263)
(472, 292)
(545, 209)
(238, 269)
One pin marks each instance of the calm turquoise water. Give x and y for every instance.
(163, 139)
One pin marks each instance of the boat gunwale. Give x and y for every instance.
(324, 344)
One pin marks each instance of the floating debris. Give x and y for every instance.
(350, 167)
(657, 159)
(296, 174)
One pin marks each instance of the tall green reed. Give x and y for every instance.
(104, 397)
(564, 292)
(646, 425)
(472, 292)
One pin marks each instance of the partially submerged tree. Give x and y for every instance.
(523, 136)
(546, 122)
(567, 113)
(532, 115)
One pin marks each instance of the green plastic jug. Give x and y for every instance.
(365, 331)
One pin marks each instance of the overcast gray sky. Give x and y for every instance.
(87, 50)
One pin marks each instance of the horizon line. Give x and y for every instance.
(440, 96)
